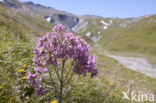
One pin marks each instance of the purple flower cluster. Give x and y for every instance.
(61, 44)
(35, 80)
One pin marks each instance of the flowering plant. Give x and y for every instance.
(60, 54)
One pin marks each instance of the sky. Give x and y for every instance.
(104, 8)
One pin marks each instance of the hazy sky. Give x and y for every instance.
(105, 8)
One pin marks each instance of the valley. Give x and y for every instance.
(125, 49)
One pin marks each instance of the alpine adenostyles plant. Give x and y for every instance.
(60, 54)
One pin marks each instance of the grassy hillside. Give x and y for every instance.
(27, 18)
(134, 35)
(12, 32)
(138, 37)
(107, 87)
(16, 34)
(16, 27)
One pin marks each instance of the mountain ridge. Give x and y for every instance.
(95, 29)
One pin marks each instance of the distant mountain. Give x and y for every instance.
(49, 14)
(138, 36)
(54, 16)
(129, 34)
(11, 3)
(12, 16)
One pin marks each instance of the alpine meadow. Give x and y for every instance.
(52, 56)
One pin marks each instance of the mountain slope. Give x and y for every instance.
(21, 25)
(17, 28)
(137, 37)
(138, 34)
(52, 15)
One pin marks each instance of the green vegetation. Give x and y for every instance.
(16, 51)
(138, 37)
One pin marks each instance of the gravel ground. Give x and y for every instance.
(137, 64)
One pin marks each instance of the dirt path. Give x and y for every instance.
(137, 64)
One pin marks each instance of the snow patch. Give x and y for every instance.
(97, 37)
(88, 34)
(48, 19)
(82, 24)
(1, 0)
(105, 27)
(103, 22)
